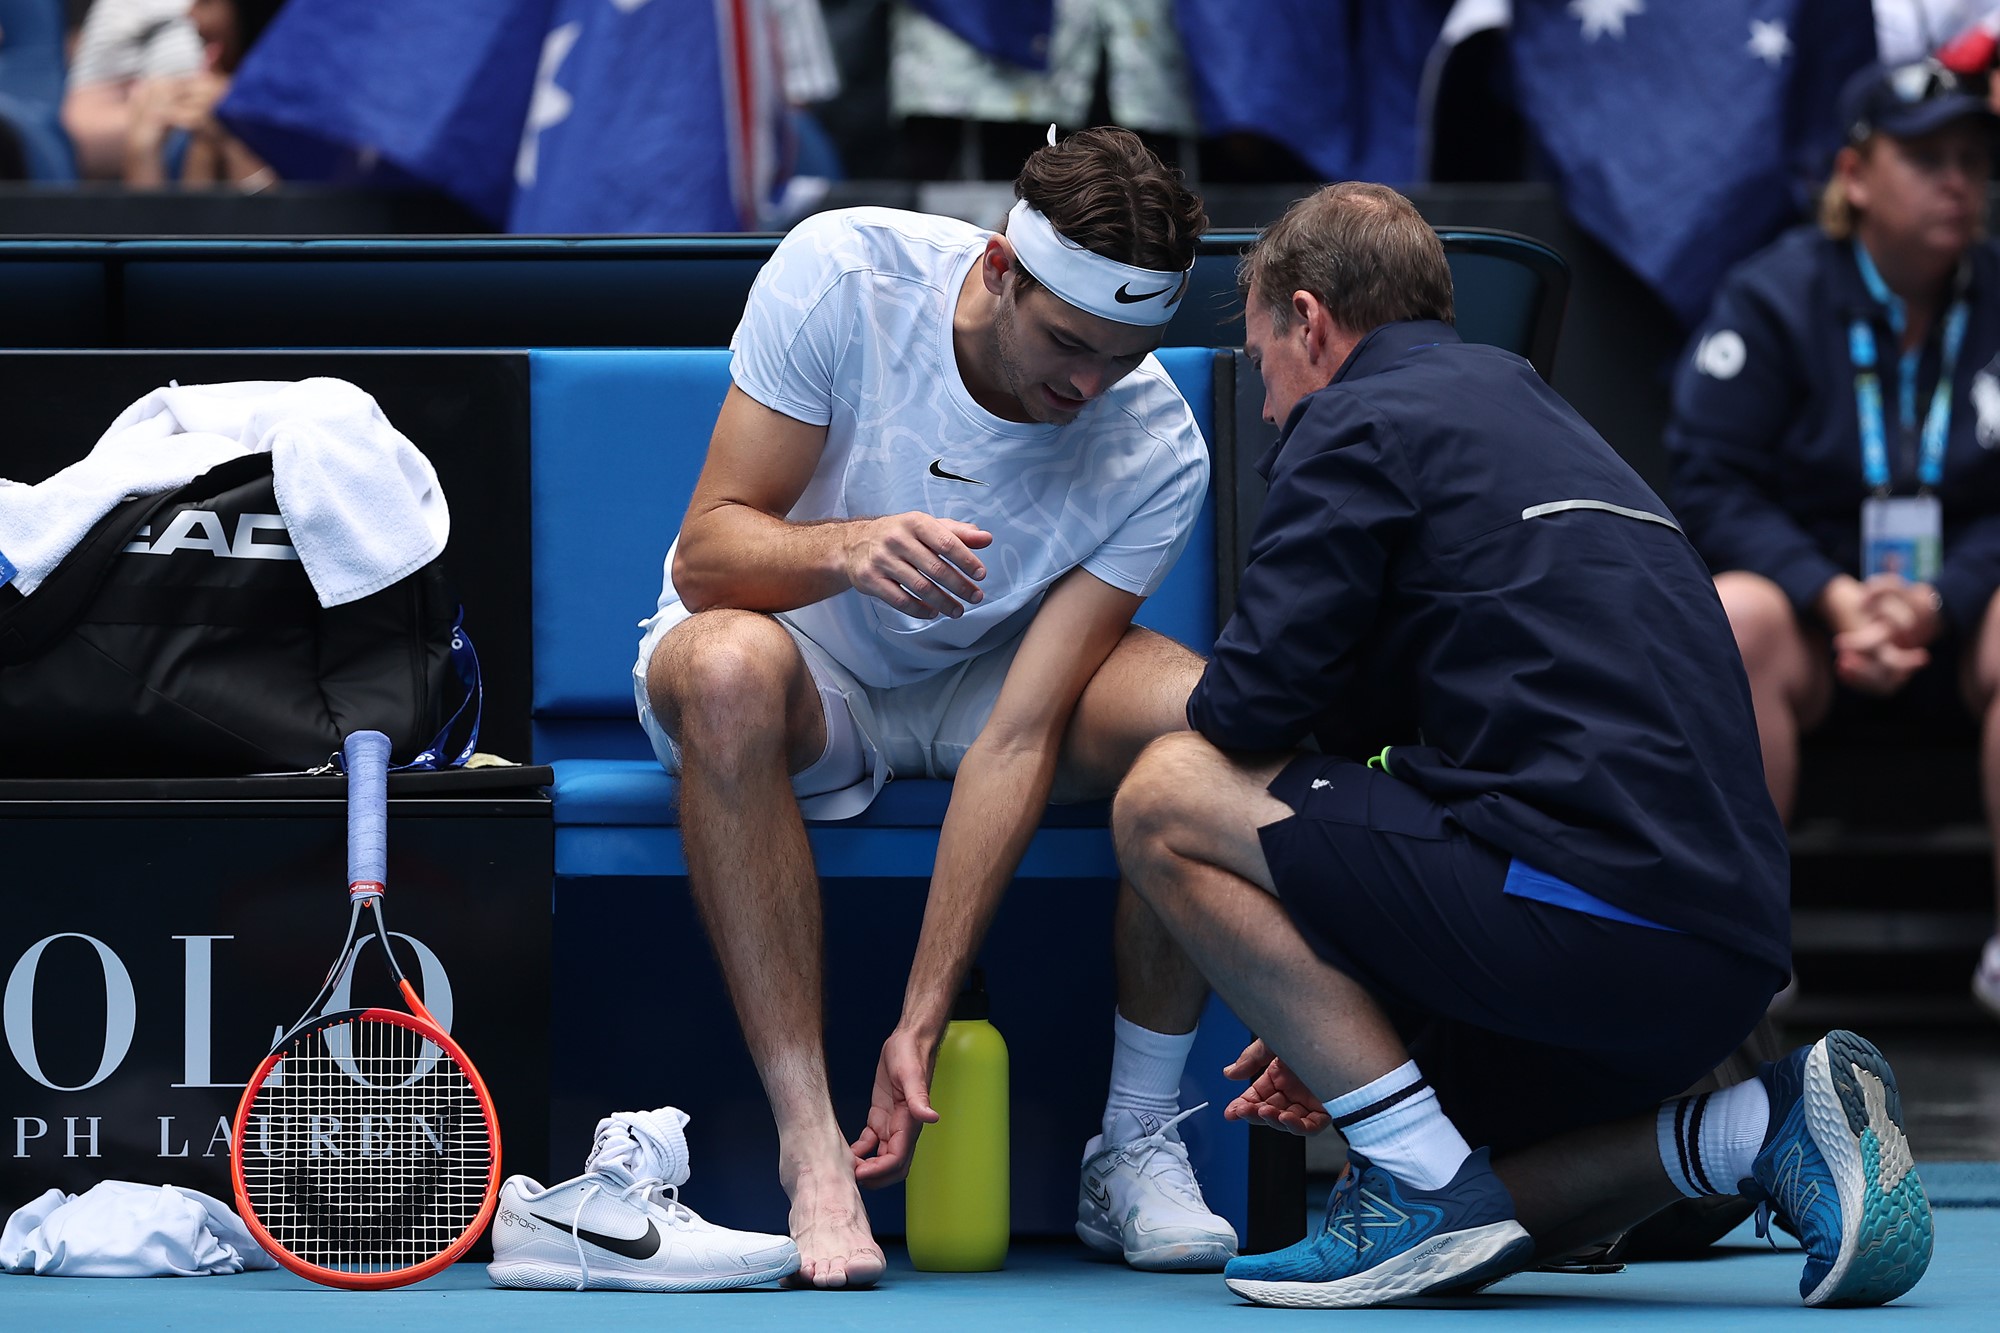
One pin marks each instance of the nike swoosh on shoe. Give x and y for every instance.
(643, 1246)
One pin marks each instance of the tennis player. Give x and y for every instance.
(946, 474)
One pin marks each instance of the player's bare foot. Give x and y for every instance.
(830, 1226)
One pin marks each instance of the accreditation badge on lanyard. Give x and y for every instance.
(1902, 534)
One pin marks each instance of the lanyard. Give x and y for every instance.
(1868, 386)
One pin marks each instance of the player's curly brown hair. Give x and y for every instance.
(1105, 190)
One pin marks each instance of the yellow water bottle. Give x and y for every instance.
(958, 1212)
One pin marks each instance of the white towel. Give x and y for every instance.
(119, 1229)
(361, 503)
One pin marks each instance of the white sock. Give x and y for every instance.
(1146, 1069)
(1396, 1123)
(1708, 1141)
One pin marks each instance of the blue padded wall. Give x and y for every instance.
(619, 438)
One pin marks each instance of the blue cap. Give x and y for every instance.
(1906, 101)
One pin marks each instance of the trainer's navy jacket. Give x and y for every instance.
(1765, 438)
(1445, 541)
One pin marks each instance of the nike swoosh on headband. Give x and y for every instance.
(1126, 296)
(632, 1247)
(937, 470)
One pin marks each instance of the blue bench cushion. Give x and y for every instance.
(621, 817)
(639, 791)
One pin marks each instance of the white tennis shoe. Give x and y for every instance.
(1139, 1200)
(621, 1225)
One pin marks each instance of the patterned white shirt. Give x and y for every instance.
(849, 326)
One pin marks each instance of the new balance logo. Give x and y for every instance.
(200, 530)
(1795, 1194)
(1375, 1213)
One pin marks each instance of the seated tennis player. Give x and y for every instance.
(1560, 895)
(945, 476)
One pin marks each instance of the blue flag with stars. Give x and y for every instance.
(542, 115)
(650, 115)
(1681, 132)
(426, 91)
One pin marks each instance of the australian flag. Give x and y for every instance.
(1335, 81)
(1680, 131)
(541, 115)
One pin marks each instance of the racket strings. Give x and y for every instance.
(367, 1148)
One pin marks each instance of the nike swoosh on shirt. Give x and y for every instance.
(632, 1247)
(937, 470)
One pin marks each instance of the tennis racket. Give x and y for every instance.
(366, 1152)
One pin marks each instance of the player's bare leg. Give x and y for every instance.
(733, 691)
(1137, 696)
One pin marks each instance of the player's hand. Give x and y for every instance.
(922, 566)
(1870, 659)
(1275, 1096)
(900, 1107)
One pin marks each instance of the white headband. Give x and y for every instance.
(1090, 281)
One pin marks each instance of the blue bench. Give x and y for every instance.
(618, 438)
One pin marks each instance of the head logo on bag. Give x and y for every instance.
(201, 530)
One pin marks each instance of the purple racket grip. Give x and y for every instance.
(367, 760)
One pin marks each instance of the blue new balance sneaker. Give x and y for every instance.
(1386, 1240)
(1836, 1169)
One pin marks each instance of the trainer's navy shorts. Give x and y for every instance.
(1528, 1018)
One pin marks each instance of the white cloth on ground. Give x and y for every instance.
(121, 1229)
(361, 503)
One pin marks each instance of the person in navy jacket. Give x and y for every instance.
(1833, 434)
(1558, 895)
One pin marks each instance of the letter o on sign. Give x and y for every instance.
(121, 1012)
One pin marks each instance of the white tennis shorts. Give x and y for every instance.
(873, 735)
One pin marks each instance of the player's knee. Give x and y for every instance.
(722, 673)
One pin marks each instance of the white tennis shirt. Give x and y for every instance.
(848, 326)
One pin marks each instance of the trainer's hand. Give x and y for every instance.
(922, 566)
(1275, 1097)
(900, 1107)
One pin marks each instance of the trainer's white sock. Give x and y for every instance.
(1708, 1141)
(1146, 1068)
(1396, 1123)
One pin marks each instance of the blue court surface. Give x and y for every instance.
(1740, 1284)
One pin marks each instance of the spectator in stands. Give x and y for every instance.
(1566, 901)
(123, 45)
(1833, 434)
(172, 134)
(946, 474)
